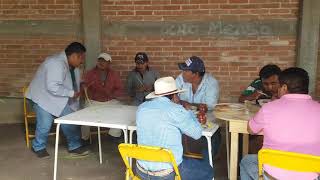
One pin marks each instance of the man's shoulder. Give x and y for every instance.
(113, 72)
(132, 72)
(153, 72)
(210, 79)
(256, 83)
(54, 61)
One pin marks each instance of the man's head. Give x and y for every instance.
(193, 68)
(269, 76)
(75, 53)
(293, 81)
(104, 61)
(141, 61)
(165, 86)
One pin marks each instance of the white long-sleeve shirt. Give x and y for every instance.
(51, 86)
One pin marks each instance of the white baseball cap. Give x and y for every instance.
(105, 56)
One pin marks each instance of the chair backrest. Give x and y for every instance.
(288, 161)
(146, 153)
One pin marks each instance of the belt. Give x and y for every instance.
(163, 172)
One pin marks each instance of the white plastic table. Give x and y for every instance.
(110, 116)
(207, 132)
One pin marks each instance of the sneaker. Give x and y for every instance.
(81, 151)
(116, 140)
(43, 154)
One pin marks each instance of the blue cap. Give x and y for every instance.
(194, 64)
(141, 58)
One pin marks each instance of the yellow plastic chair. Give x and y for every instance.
(146, 153)
(288, 161)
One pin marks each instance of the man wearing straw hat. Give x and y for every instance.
(103, 86)
(161, 122)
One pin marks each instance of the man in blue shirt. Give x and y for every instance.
(54, 92)
(201, 88)
(161, 122)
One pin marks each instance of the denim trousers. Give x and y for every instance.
(44, 122)
(189, 169)
(249, 168)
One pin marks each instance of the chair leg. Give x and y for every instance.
(27, 132)
(127, 175)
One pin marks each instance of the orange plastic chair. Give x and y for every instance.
(288, 161)
(146, 153)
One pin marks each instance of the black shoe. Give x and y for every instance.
(81, 151)
(41, 153)
(117, 140)
(85, 142)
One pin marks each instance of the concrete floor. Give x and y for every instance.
(17, 162)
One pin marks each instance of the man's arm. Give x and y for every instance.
(257, 123)
(212, 94)
(251, 92)
(187, 123)
(254, 96)
(55, 77)
(118, 87)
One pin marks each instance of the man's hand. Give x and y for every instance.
(186, 104)
(76, 95)
(148, 88)
(256, 95)
(140, 89)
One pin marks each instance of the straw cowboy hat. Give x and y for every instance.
(164, 86)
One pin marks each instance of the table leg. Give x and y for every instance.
(245, 145)
(130, 137)
(125, 135)
(56, 152)
(209, 149)
(227, 147)
(99, 142)
(234, 156)
(130, 141)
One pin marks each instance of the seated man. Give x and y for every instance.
(201, 88)
(141, 79)
(103, 86)
(161, 122)
(265, 87)
(286, 127)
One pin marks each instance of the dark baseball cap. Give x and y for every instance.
(194, 64)
(141, 58)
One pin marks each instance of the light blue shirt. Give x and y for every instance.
(160, 122)
(207, 92)
(51, 87)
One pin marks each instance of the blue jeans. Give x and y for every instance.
(43, 125)
(249, 168)
(189, 169)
